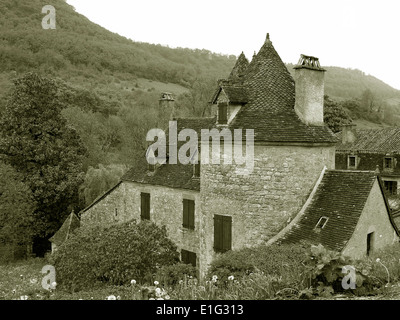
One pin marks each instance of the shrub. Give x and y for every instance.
(114, 255)
(276, 260)
(170, 275)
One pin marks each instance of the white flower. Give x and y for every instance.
(231, 278)
(112, 297)
(160, 299)
(33, 281)
(156, 283)
(24, 297)
(133, 281)
(152, 299)
(167, 297)
(214, 278)
(378, 260)
(53, 285)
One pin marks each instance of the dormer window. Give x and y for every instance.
(388, 163)
(321, 223)
(351, 162)
(222, 113)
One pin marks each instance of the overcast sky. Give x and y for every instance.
(357, 34)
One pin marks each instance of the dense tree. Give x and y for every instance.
(334, 114)
(16, 207)
(99, 180)
(37, 142)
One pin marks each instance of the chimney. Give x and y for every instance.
(309, 80)
(349, 134)
(166, 106)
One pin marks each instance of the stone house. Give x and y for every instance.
(209, 208)
(372, 149)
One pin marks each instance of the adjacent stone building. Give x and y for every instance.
(375, 150)
(210, 208)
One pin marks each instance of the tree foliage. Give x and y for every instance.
(16, 207)
(334, 114)
(36, 140)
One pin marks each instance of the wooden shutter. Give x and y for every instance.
(222, 233)
(192, 259)
(185, 222)
(191, 214)
(217, 233)
(227, 233)
(145, 206)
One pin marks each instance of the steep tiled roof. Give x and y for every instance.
(169, 175)
(69, 225)
(373, 140)
(341, 197)
(270, 91)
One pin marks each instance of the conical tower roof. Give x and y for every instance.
(240, 68)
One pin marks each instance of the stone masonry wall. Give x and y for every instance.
(261, 203)
(374, 218)
(166, 208)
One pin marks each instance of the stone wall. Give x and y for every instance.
(166, 208)
(261, 203)
(374, 218)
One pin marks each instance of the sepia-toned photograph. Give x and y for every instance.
(202, 153)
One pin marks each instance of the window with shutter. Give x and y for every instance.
(145, 206)
(222, 233)
(188, 214)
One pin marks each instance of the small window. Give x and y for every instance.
(388, 163)
(352, 162)
(188, 214)
(370, 242)
(321, 223)
(222, 113)
(145, 206)
(391, 187)
(188, 257)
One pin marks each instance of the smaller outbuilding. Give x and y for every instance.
(346, 212)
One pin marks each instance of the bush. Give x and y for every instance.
(171, 275)
(276, 260)
(114, 255)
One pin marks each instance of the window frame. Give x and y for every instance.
(319, 226)
(351, 156)
(393, 186)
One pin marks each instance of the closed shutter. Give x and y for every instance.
(227, 234)
(192, 259)
(222, 233)
(188, 257)
(185, 214)
(191, 214)
(145, 206)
